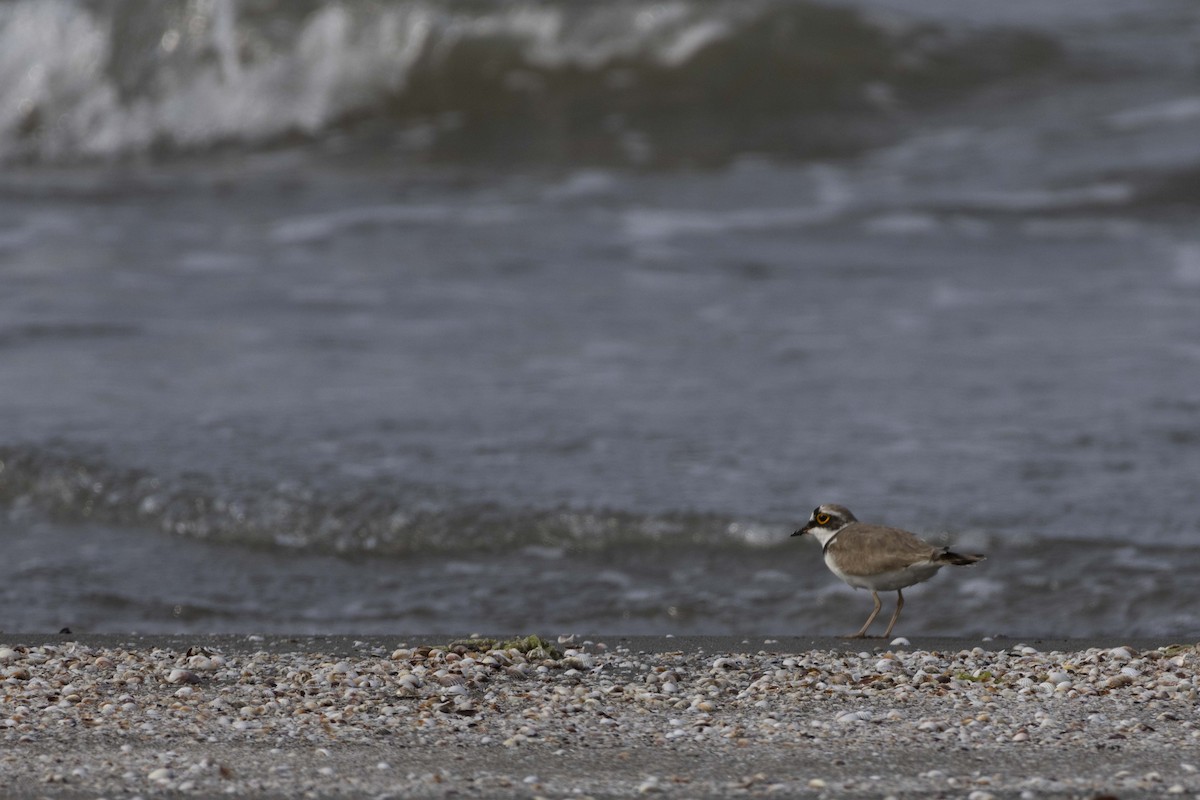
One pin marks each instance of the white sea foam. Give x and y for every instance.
(756, 534)
(982, 588)
(34, 228)
(62, 49)
(214, 262)
(648, 225)
(1083, 228)
(583, 184)
(1170, 112)
(902, 224)
(1187, 264)
(317, 227)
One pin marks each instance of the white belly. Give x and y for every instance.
(887, 581)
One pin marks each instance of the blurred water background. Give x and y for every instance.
(555, 316)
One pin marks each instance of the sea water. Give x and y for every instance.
(551, 317)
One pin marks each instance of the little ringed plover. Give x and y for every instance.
(876, 557)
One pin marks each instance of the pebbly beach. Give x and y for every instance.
(603, 716)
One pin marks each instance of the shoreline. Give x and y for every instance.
(348, 644)
(606, 716)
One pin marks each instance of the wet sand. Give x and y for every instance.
(606, 716)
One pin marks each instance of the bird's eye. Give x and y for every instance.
(822, 519)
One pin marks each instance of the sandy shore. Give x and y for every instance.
(610, 716)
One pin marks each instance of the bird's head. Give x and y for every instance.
(828, 519)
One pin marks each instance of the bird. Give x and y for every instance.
(876, 557)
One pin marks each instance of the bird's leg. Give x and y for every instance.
(896, 615)
(862, 632)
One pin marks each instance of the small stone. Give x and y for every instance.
(182, 676)
(649, 785)
(451, 696)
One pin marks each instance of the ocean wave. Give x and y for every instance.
(1177, 111)
(317, 227)
(370, 517)
(634, 81)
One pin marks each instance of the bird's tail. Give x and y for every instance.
(960, 559)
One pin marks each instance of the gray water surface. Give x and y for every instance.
(328, 386)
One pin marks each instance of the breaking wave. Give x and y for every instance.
(375, 517)
(637, 82)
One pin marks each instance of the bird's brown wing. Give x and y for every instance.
(871, 549)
